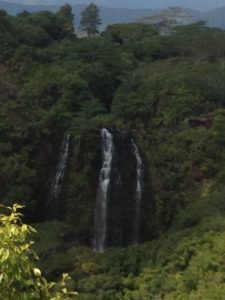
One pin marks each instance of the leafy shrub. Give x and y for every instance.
(19, 277)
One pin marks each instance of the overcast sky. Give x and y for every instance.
(194, 4)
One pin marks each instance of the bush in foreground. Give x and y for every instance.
(19, 278)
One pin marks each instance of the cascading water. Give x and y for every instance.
(138, 193)
(58, 178)
(103, 191)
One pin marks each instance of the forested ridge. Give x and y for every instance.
(168, 93)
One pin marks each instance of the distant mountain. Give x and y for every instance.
(15, 8)
(136, 4)
(215, 17)
(108, 15)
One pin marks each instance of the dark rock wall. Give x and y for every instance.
(79, 191)
(122, 191)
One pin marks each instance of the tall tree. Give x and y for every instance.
(66, 12)
(90, 19)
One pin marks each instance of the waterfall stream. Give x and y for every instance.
(58, 178)
(138, 193)
(103, 191)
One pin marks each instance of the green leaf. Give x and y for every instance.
(5, 256)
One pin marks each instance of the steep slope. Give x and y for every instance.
(159, 102)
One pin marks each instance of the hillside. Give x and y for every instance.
(115, 145)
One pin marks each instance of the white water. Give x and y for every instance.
(138, 193)
(60, 171)
(103, 188)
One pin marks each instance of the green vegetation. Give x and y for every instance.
(90, 19)
(169, 92)
(185, 263)
(19, 278)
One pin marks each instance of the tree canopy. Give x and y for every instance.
(165, 91)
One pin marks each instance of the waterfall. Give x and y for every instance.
(58, 178)
(103, 191)
(138, 193)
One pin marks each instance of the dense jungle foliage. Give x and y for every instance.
(169, 92)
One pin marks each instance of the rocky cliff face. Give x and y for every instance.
(76, 201)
